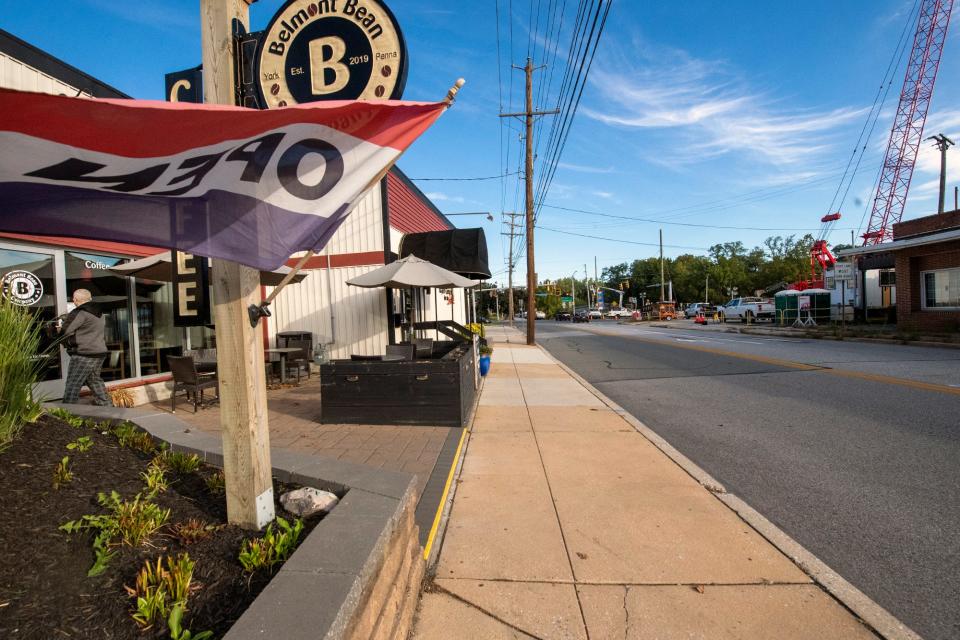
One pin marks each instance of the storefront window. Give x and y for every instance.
(941, 289)
(28, 279)
(111, 293)
(158, 337)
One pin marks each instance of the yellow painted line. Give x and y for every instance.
(443, 498)
(844, 373)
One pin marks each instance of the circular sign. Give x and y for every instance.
(22, 287)
(331, 50)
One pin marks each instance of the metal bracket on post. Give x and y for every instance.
(257, 311)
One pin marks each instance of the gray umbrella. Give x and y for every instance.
(411, 272)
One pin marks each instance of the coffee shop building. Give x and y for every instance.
(142, 326)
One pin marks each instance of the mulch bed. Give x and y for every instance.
(44, 589)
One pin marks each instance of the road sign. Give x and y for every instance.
(843, 271)
(566, 299)
(632, 300)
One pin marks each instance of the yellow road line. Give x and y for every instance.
(443, 498)
(844, 373)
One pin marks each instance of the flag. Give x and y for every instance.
(226, 182)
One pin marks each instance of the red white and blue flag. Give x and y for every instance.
(249, 186)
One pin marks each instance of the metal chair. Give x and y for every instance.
(424, 347)
(297, 362)
(408, 351)
(187, 379)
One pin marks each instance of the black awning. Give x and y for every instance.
(462, 251)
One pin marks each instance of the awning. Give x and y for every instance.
(463, 251)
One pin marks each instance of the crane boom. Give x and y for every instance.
(907, 131)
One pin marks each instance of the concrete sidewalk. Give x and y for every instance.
(568, 523)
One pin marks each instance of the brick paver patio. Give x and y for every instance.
(294, 425)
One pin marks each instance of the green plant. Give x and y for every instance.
(81, 444)
(159, 587)
(19, 369)
(128, 435)
(155, 478)
(486, 350)
(216, 483)
(72, 420)
(274, 547)
(62, 474)
(179, 462)
(193, 530)
(177, 632)
(128, 522)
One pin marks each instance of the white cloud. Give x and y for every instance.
(710, 109)
(584, 169)
(439, 196)
(603, 194)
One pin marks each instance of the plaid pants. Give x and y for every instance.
(85, 370)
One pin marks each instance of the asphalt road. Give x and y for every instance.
(853, 449)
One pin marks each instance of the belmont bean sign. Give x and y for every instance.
(330, 50)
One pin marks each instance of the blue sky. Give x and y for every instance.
(733, 114)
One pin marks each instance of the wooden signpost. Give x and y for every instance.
(243, 392)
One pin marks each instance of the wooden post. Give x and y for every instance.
(243, 393)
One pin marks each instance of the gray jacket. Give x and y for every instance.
(83, 329)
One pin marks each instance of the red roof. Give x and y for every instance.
(409, 209)
(95, 246)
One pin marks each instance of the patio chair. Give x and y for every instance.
(297, 362)
(187, 379)
(424, 347)
(408, 351)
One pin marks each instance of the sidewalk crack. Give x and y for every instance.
(436, 588)
(626, 613)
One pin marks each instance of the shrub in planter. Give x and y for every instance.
(19, 369)
(485, 352)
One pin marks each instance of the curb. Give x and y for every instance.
(881, 621)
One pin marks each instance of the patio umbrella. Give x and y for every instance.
(159, 267)
(411, 272)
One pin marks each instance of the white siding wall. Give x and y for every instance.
(17, 75)
(360, 315)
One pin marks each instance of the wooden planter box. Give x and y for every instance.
(437, 391)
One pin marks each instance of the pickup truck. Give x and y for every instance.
(748, 309)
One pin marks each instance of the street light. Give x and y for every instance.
(474, 213)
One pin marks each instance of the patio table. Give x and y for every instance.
(283, 351)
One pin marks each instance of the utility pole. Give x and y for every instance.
(586, 281)
(942, 143)
(513, 226)
(706, 293)
(243, 393)
(596, 279)
(662, 299)
(530, 114)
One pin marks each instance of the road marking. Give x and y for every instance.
(844, 373)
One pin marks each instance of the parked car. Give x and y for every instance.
(595, 314)
(563, 315)
(693, 309)
(540, 315)
(748, 309)
(581, 316)
(620, 313)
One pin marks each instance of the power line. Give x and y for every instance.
(497, 177)
(644, 244)
(679, 224)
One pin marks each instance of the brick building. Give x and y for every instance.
(925, 255)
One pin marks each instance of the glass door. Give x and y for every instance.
(29, 278)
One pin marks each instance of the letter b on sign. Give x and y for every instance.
(326, 56)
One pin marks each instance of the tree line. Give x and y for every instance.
(733, 270)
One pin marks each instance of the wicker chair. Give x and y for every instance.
(187, 379)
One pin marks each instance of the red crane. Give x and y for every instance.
(907, 131)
